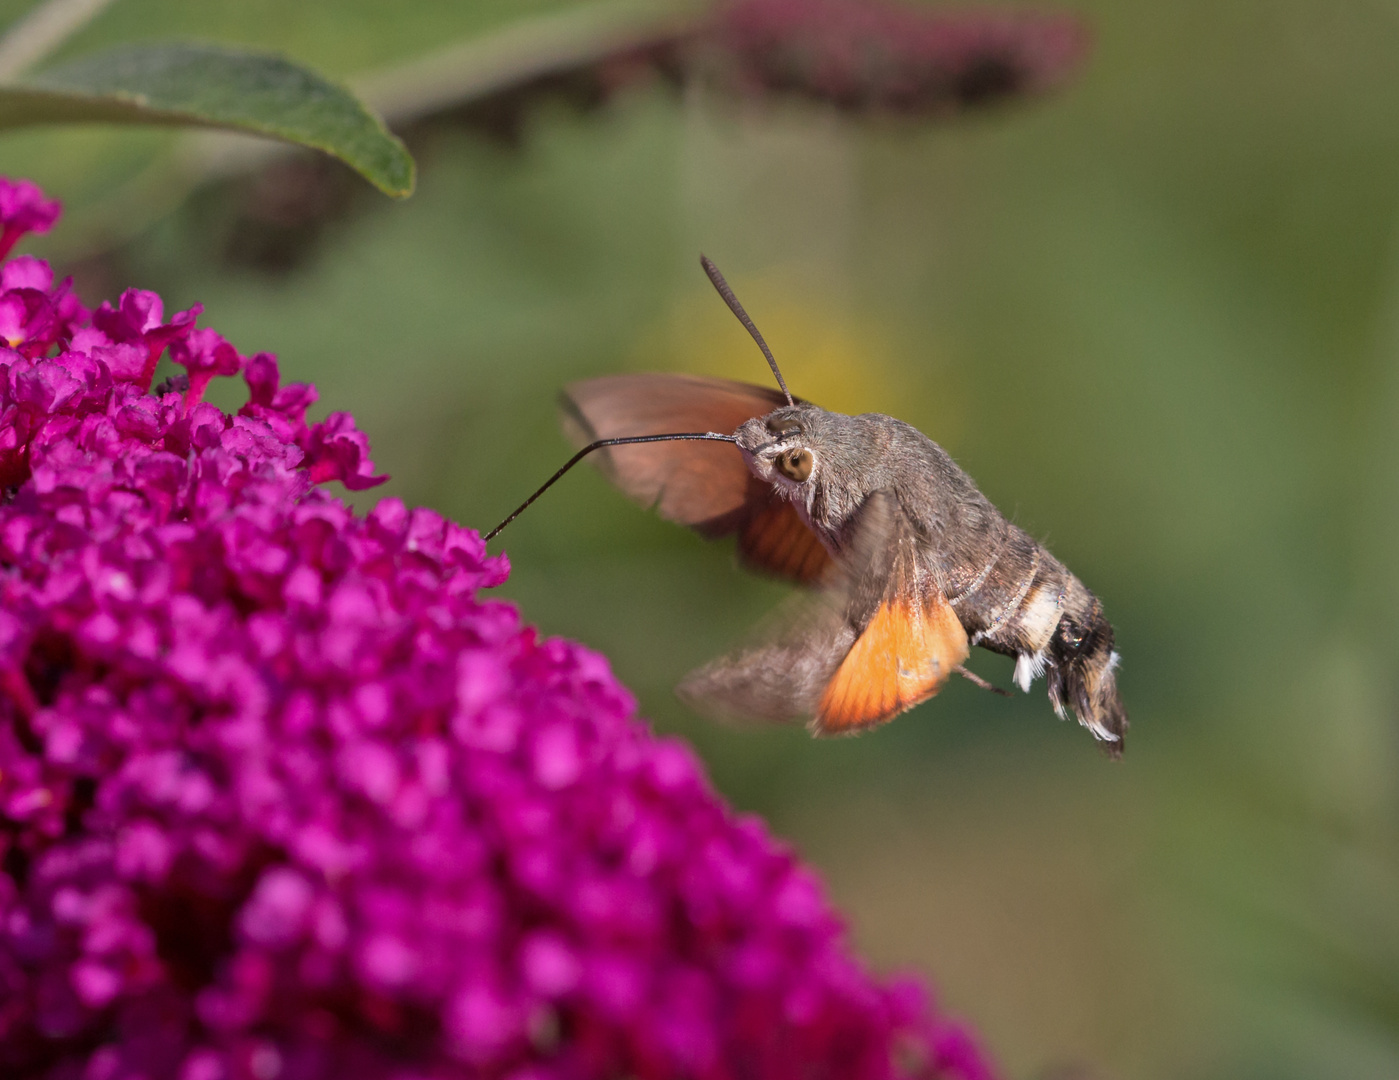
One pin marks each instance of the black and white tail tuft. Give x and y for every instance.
(1082, 662)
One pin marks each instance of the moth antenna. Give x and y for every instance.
(630, 440)
(729, 298)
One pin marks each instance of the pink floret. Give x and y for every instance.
(23, 209)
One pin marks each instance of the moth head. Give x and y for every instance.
(780, 447)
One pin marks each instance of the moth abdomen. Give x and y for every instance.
(1028, 605)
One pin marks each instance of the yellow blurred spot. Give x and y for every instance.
(842, 360)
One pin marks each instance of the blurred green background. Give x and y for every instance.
(1155, 315)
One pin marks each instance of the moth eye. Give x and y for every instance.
(795, 464)
(786, 426)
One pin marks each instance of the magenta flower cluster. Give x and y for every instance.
(282, 797)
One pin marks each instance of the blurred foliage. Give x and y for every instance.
(1156, 317)
(128, 183)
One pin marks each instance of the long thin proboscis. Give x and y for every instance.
(631, 440)
(729, 298)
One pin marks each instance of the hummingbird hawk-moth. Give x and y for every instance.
(909, 563)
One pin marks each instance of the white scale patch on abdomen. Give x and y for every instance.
(1034, 625)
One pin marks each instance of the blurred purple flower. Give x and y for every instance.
(875, 56)
(282, 797)
(862, 56)
(887, 58)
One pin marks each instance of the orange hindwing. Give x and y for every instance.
(905, 654)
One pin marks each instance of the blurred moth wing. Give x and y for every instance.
(877, 639)
(706, 486)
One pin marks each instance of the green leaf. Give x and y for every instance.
(210, 86)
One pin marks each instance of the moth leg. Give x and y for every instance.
(979, 681)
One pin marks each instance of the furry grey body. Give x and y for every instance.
(1010, 594)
